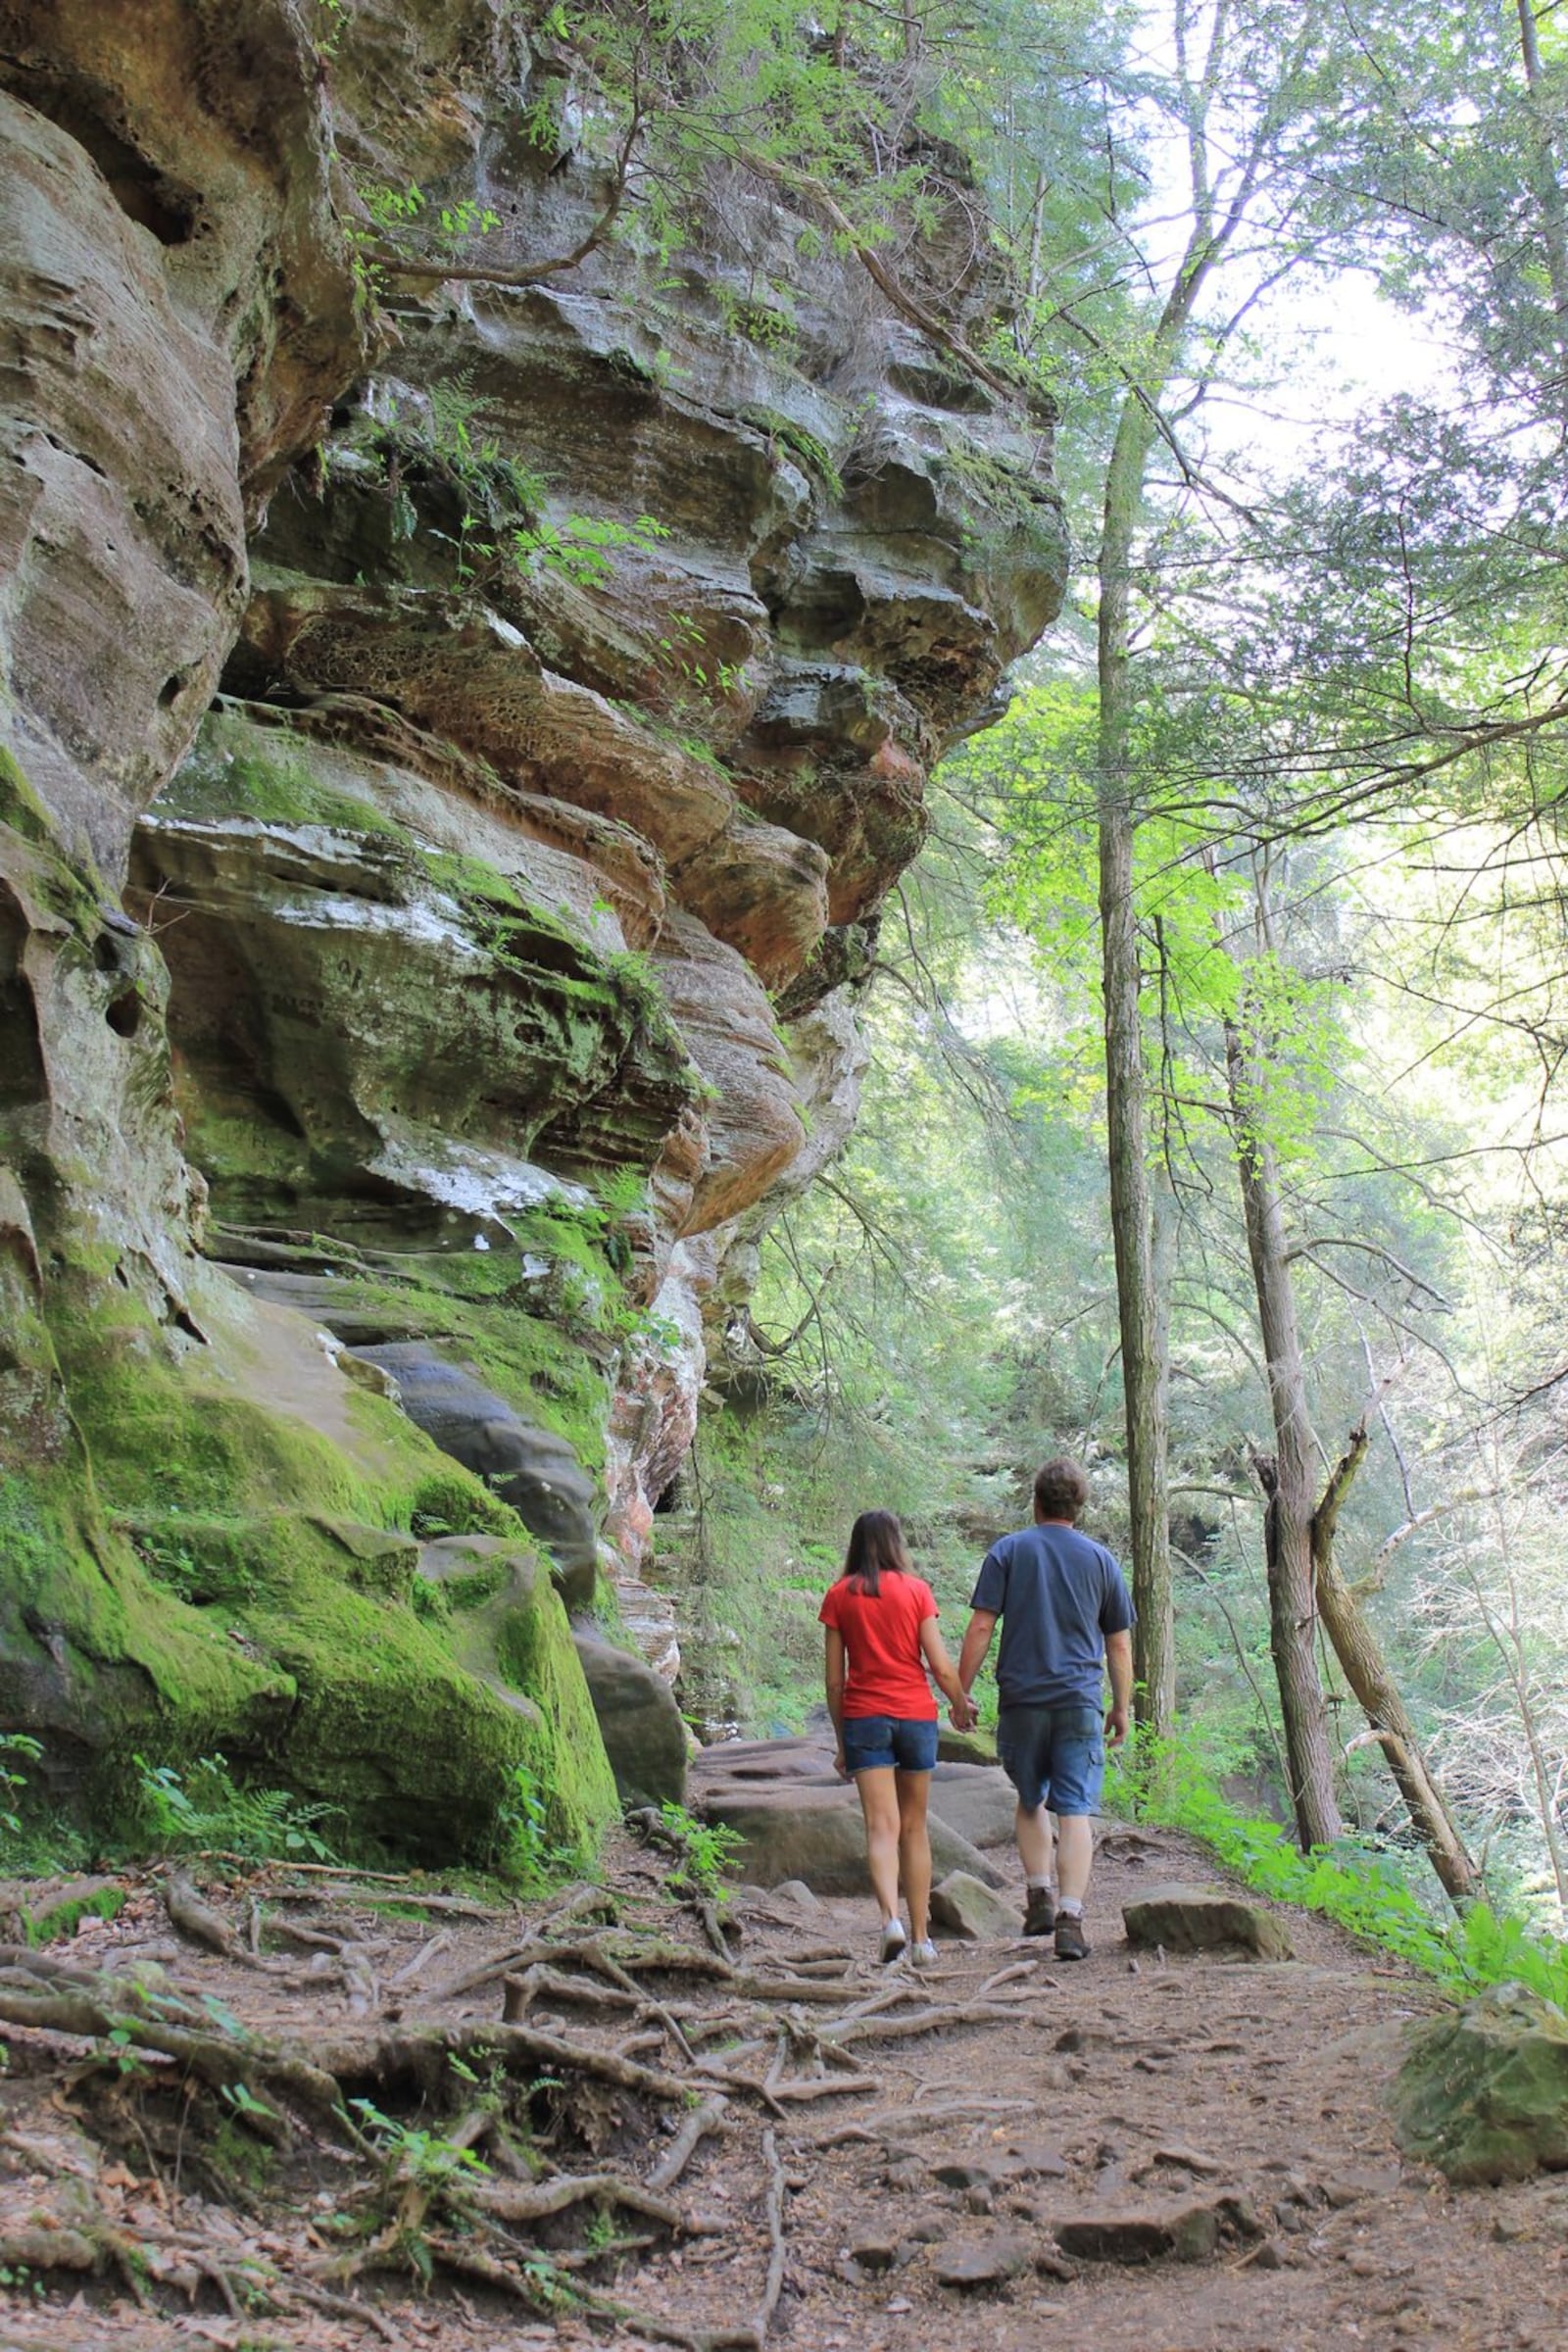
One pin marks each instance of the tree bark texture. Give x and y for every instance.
(1213, 223)
(1287, 1479)
(1142, 1313)
(1548, 188)
(1365, 1669)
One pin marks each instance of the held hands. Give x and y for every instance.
(1115, 1726)
(963, 1714)
(839, 1764)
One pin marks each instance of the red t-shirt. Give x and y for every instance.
(884, 1673)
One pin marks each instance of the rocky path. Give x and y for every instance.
(1173, 2153)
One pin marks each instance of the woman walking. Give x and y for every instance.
(881, 1621)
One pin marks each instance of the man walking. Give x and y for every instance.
(1067, 1617)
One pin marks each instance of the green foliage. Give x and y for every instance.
(451, 224)
(1354, 1885)
(804, 447)
(17, 1750)
(452, 1501)
(581, 547)
(759, 86)
(205, 1809)
(414, 2156)
(524, 1854)
(768, 322)
(704, 1851)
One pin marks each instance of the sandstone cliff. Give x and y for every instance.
(457, 740)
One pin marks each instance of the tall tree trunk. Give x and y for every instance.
(1142, 1305)
(1365, 1669)
(1141, 1311)
(1548, 188)
(1287, 1478)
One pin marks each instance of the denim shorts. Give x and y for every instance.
(883, 1743)
(1053, 1756)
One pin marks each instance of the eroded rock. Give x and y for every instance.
(644, 1733)
(1159, 2232)
(529, 1467)
(979, 1803)
(1200, 1919)
(508, 864)
(971, 2262)
(807, 1824)
(1484, 2095)
(967, 1909)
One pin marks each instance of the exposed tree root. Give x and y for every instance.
(774, 2282)
(468, 2144)
(709, 2117)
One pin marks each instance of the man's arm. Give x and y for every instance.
(976, 1641)
(1119, 1665)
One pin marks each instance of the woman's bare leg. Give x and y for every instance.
(913, 1790)
(879, 1803)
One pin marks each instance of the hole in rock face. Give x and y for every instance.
(142, 192)
(125, 1014)
(171, 690)
(106, 953)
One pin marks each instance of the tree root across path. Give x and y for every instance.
(471, 2130)
(507, 2152)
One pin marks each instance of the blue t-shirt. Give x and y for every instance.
(1057, 1594)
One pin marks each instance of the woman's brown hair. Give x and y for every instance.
(876, 1546)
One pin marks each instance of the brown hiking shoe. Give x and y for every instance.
(1039, 1911)
(1070, 1939)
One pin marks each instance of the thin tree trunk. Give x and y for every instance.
(1510, 1650)
(1548, 189)
(1143, 1316)
(1142, 1310)
(1287, 1477)
(1365, 1669)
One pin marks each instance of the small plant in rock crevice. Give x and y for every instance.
(704, 1851)
(16, 1749)
(522, 1851)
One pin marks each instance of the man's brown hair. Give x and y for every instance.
(1061, 1490)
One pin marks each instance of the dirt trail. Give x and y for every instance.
(1231, 2108)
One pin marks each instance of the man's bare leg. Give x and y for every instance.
(1036, 1844)
(1075, 1854)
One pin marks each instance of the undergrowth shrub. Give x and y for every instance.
(204, 1810)
(1165, 1782)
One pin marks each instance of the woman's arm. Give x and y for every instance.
(833, 1681)
(965, 1714)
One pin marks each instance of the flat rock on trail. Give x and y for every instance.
(1150, 2152)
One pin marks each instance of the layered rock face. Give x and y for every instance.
(460, 738)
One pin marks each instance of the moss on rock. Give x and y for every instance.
(203, 1570)
(509, 1628)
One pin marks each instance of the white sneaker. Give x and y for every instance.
(894, 1940)
(923, 1955)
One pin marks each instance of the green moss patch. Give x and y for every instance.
(60, 1914)
(509, 1627)
(225, 1579)
(20, 805)
(239, 769)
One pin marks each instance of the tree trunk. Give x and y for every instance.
(1548, 189)
(1365, 1669)
(1143, 1314)
(1142, 1305)
(1287, 1477)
